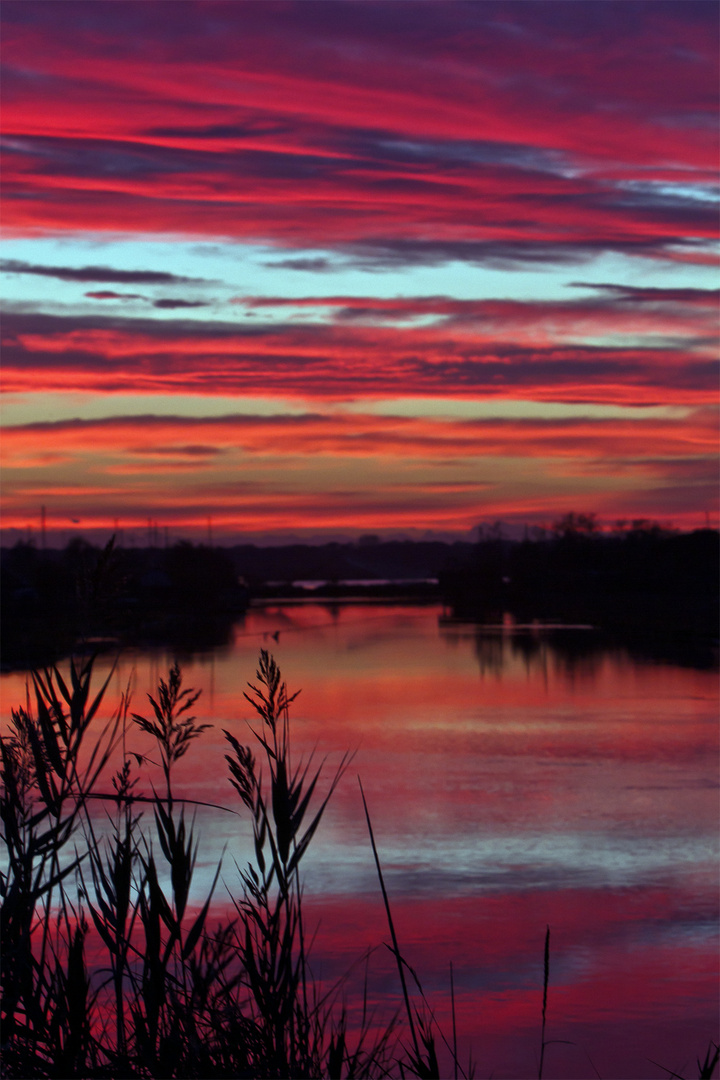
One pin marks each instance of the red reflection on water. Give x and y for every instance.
(512, 786)
(613, 1004)
(618, 1000)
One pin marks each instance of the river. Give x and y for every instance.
(517, 777)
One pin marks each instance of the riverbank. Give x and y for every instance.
(644, 589)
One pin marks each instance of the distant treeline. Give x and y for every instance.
(184, 596)
(641, 581)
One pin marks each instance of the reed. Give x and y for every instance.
(106, 972)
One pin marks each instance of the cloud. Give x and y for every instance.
(380, 253)
(496, 349)
(615, 309)
(251, 128)
(315, 265)
(107, 294)
(166, 304)
(96, 273)
(358, 434)
(192, 451)
(169, 305)
(646, 294)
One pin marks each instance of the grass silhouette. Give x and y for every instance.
(170, 996)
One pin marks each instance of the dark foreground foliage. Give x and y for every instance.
(171, 995)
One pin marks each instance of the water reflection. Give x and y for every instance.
(518, 775)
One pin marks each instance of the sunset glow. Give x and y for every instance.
(316, 269)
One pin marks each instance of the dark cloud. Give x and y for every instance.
(169, 305)
(24, 322)
(696, 469)
(376, 147)
(166, 303)
(99, 158)
(250, 128)
(178, 422)
(96, 273)
(390, 253)
(107, 294)
(191, 451)
(477, 30)
(317, 265)
(115, 162)
(639, 294)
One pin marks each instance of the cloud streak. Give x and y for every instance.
(96, 273)
(529, 351)
(357, 434)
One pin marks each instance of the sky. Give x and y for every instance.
(310, 271)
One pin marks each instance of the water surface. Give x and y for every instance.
(517, 778)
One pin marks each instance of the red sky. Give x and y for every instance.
(313, 269)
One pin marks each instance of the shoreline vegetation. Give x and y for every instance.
(651, 591)
(108, 969)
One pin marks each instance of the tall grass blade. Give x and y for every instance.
(546, 979)
(391, 924)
